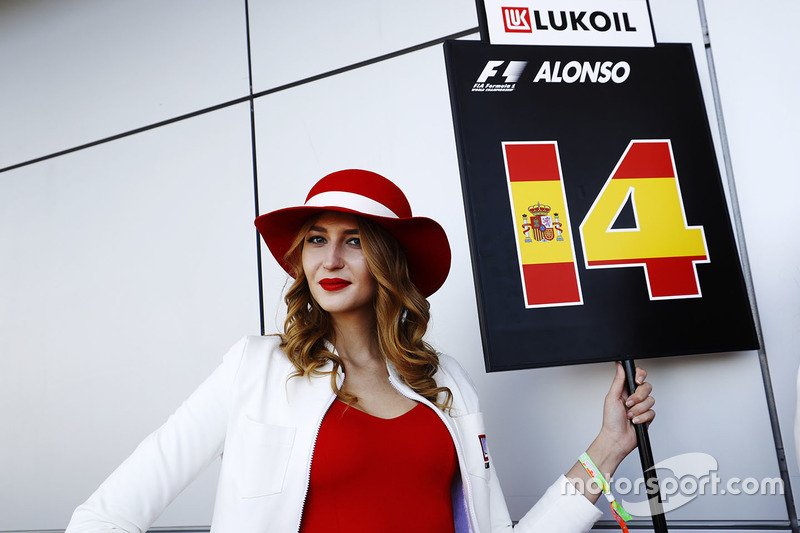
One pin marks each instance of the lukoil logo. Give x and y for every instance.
(580, 21)
(510, 76)
(517, 20)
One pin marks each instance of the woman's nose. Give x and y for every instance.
(333, 257)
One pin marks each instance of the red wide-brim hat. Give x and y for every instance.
(370, 195)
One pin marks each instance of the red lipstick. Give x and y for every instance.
(333, 284)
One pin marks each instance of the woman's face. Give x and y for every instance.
(336, 269)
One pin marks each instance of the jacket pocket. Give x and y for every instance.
(473, 442)
(266, 450)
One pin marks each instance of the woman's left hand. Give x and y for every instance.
(617, 437)
(620, 409)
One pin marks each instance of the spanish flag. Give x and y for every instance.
(542, 229)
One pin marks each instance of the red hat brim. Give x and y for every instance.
(423, 239)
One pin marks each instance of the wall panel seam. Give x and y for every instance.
(249, 98)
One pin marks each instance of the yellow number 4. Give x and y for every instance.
(661, 241)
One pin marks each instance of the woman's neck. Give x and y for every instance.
(356, 341)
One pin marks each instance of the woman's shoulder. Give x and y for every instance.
(270, 342)
(258, 351)
(450, 365)
(453, 376)
(256, 343)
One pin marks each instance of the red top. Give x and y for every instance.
(373, 474)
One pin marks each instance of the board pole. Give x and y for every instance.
(646, 456)
(483, 25)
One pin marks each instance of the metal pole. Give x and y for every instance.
(646, 456)
(482, 23)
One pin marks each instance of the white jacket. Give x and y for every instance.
(264, 425)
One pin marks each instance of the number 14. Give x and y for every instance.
(660, 241)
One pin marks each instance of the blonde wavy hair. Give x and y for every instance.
(402, 314)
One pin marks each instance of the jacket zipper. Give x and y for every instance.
(311, 458)
(459, 453)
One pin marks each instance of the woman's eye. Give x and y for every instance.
(355, 241)
(315, 239)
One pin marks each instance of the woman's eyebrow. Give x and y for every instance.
(322, 229)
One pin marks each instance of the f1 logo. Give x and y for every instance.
(517, 20)
(511, 74)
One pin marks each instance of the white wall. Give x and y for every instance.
(755, 49)
(129, 266)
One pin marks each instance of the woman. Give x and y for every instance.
(349, 421)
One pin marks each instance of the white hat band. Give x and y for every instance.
(349, 200)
